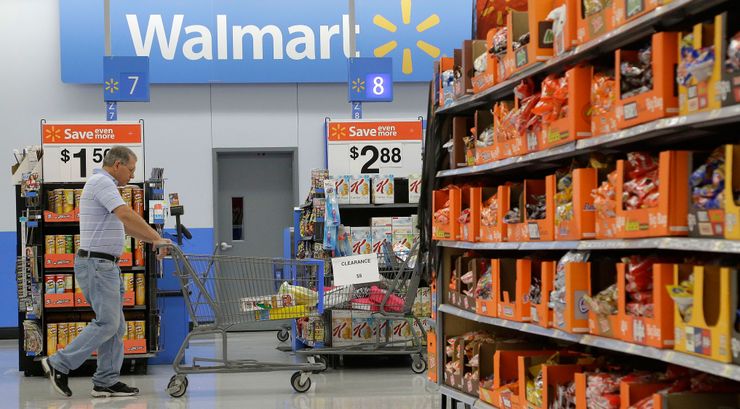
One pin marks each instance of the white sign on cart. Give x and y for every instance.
(355, 269)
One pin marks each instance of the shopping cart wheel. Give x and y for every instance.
(283, 335)
(177, 386)
(295, 382)
(419, 365)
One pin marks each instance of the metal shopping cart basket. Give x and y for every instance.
(223, 291)
(388, 305)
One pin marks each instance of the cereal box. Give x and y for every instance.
(403, 233)
(341, 327)
(381, 221)
(401, 331)
(381, 235)
(383, 189)
(414, 188)
(341, 186)
(364, 328)
(361, 239)
(359, 189)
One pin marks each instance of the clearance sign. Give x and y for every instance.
(73, 151)
(374, 147)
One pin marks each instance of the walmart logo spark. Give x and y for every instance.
(426, 24)
(53, 134)
(111, 86)
(358, 85)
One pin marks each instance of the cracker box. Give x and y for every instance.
(364, 328)
(414, 188)
(381, 235)
(383, 189)
(381, 222)
(359, 189)
(341, 327)
(361, 239)
(341, 187)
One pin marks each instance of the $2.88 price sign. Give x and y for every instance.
(371, 157)
(73, 151)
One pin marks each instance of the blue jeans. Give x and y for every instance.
(101, 284)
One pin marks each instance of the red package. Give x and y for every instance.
(643, 297)
(465, 216)
(394, 303)
(610, 401)
(639, 309)
(554, 97)
(525, 89)
(639, 164)
(640, 272)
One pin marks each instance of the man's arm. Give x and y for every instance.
(135, 225)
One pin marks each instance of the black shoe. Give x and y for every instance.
(58, 379)
(117, 390)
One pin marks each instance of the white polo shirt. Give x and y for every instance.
(100, 229)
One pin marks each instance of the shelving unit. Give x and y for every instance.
(679, 132)
(136, 363)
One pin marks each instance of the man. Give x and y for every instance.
(103, 219)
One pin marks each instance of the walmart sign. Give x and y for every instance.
(260, 41)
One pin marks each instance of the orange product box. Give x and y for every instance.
(126, 260)
(576, 124)
(662, 100)
(533, 21)
(445, 64)
(519, 144)
(488, 307)
(460, 87)
(631, 393)
(540, 229)
(472, 375)
(492, 227)
(567, 36)
(628, 10)
(552, 376)
(64, 300)
(605, 227)
(516, 232)
(432, 355)
(455, 288)
(134, 346)
(732, 184)
(487, 78)
(59, 260)
(670, 216)
(603, 103)
(698, 94)
(490, 366)
(513, 280)
(72, 216)
(573, 318)
(467, 57)
(469, 216)
(445, 226)
(505, 392)
(593, 26)
(709, 331)
(541, 313)
(460, 131)
(582, 225)
(603, 275)
(484, 154)
(656, 331)
(708, 223)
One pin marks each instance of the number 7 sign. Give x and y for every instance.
(126, 79)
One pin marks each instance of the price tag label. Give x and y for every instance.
(355, 269)
(73, 151)
(374, 147)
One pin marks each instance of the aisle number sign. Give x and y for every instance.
(126, 79)
(73, 151)
(374, 147)
(370, 80)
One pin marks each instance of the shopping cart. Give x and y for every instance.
(388, 307)
(223, 291)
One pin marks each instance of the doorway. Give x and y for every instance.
(254, 199)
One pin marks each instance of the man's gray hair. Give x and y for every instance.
(118, 153)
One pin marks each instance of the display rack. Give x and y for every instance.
(691, 131)
(78, 311)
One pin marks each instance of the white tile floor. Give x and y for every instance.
(352, 388)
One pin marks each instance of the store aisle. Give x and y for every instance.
(348, 388)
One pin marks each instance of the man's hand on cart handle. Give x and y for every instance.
(163, 248)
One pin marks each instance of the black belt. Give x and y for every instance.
(95, 254)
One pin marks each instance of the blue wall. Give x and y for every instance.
(8, 287)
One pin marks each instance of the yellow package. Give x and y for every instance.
(282, 313)
(300, 295)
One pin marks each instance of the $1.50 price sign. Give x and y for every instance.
(374, 147)
(73, 151)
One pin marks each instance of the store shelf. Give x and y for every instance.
(676, 11)
(55, 271)
(472, 401)
(651, 130)
(660, 243)
(89, 309)
(378, 206)
(127, 356)
(679, 358)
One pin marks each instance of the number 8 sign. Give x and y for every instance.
(379, 87)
